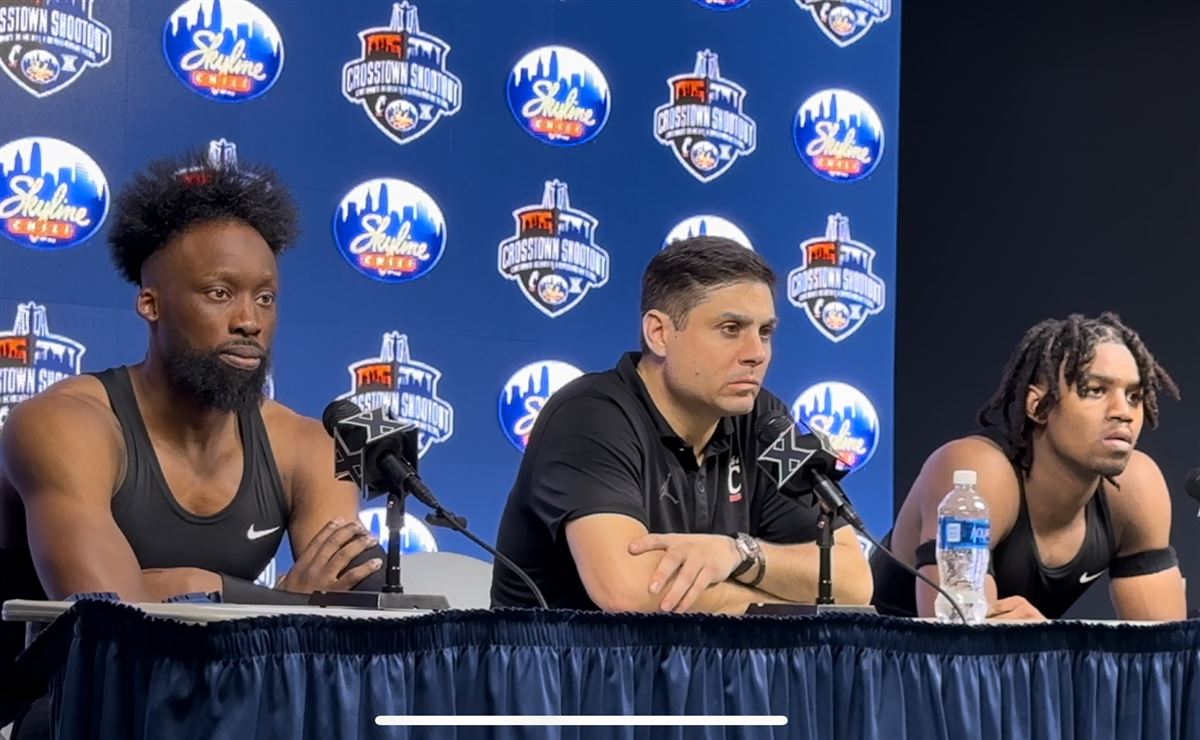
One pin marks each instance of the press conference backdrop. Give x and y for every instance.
(481, 185)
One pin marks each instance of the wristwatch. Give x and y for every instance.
(750, 551)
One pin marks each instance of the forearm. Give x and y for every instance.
(93, 572)
(730, 597)
(793, 573)
(631, 592)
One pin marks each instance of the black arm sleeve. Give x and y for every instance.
(373, 582)
(1143, 563)
(240, 591)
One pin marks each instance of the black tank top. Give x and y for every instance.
(1019, 571)
(239, 540)
(1015, 564)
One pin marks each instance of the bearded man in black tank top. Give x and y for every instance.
(176, 475)
(1069, 496)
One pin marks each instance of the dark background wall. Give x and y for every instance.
(1049, 166)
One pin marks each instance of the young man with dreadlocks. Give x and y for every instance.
(1069, 496)
(176, 475)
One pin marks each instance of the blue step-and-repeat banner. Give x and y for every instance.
(482, 183)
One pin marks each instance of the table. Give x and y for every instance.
(121, 672)
(44, 612)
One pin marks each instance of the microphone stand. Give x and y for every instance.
(825, 551)
(828, 500)
(392, 596)
(825, 603)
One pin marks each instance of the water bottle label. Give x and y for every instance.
(959, 534)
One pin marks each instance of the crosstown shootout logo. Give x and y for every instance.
(707, 225)
(401, 80)
(847, 21)
(32, 359)
(221, 154)
(225, 50)
(836, 285)
(559, 96)
(408, 389)
(390, 230)
(46, 44)
(52, 194)
(838, 135)
(526, 392)
(414, 535)
(703, 123)
(554, 256)
(845, 414)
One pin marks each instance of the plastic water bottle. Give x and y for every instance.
(964, 534)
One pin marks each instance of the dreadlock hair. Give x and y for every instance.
(173, 195)
(1067, 346)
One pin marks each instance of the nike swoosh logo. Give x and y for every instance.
(254, 534)
(1085, 578)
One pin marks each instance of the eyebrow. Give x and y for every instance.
(230, 276)
(1109, 380)
(743, 320)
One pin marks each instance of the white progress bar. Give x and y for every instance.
(581, 720)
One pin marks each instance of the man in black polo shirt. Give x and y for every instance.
(639, 490)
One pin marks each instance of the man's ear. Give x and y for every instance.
(1033, 397)
(147, 304)
(656, 331)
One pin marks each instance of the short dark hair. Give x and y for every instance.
(1067, 346)
(678, 277)
(172, 195)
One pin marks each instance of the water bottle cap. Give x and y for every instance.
(965, 478)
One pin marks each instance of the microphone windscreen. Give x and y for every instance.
(338, 411)
(771, 426)
(1193, 484)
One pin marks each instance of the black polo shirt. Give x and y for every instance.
(601, 446)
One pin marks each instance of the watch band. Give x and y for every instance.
(751, 554)
(748, 558)
(761, 558)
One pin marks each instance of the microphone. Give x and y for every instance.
(801, 464)
(372, 449)
(1193, 485)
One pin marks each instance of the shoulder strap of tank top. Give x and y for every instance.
(1023, 512)
(1099, 511)
(121, 398)
(260, 455)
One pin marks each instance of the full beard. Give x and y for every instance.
(210, 381)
